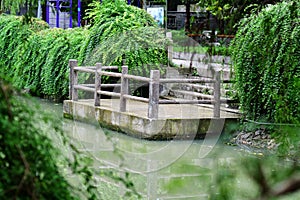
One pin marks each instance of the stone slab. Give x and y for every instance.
(175, 121)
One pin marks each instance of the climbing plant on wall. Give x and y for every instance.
(266, 59)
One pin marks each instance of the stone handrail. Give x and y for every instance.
(154, 82)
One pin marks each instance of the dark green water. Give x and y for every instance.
(158, 169)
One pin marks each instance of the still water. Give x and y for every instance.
(158, 169)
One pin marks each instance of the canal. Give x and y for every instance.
(185, 169)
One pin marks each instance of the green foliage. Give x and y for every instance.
(31, 166)
(143, 48)
(14, 35)
(289, 141)
(35, 57)
(266, 59)
(267, 177)
(14, 5)
(39, 161)
(225, 183)
(229, 12)
(112, 18)
(43, 66)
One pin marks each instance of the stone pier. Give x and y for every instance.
(175, 121)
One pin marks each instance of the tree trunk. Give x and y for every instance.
(188, 16)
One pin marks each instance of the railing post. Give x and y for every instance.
(124, 89)
(97, 96)
(170, 46)
(153, 94)
(217, 94)
(73, 93)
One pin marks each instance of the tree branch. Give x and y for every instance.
(26, 172)
(6, 90)
(286, 187)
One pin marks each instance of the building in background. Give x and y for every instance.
(176, 15)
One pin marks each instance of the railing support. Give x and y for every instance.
(154, 81)
(153, 94)
(217, 94)
(73, 93)
(124, 89)
(97, 95)
(170, 46)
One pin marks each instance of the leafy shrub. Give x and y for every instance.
(36, 57)
(144, 49)
(14, 35)
(32, 167)
(113, 19)
(55, 73)
(39, 161)
(43, 65)
(266, 59)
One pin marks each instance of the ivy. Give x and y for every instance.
(266, 59)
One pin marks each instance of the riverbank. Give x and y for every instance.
(259, 140)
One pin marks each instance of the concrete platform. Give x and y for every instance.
(175, 121)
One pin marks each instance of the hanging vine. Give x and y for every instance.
(36, 57)
(266, 60)
(14, 36)
(144, 49)
(112, 18)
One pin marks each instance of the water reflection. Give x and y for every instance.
(158, 169)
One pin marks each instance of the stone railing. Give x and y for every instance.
(154, 82)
